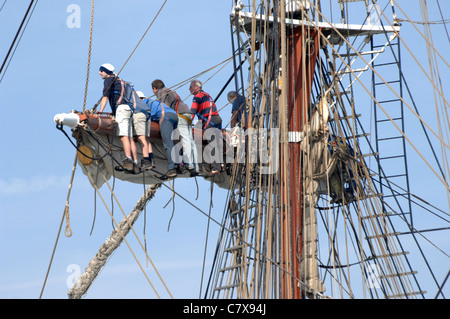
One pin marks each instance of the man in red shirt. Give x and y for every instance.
(204, 107)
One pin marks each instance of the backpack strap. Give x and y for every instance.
(131, 104)
(178, 101)
(189, 120)
(210, 112)
(208, 120)
(121, 91)
(134, 99)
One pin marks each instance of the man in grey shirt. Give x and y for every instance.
(171, 98)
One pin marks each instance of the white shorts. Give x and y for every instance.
(141, 125)
(123, 120)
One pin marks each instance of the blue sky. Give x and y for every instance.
(47, 76)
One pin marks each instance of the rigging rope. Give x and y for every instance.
(89, 55)
(66, 213)
(206, 239)
(68, 231)
(383, 109)
(76, 293)
(135, 234)
(143, 36)
(135, 48)
(15, 38)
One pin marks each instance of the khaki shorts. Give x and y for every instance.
(123, 120)
(141, 125)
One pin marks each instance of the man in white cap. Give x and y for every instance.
(142, 132)
(112, 88)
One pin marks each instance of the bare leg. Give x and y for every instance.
(126, 145)
(144, 145)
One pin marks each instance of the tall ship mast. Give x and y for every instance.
(319, 200)
(329, 216)
(303, 69)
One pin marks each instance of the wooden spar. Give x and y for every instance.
(302, 52)
(103, 124)
(109, 246)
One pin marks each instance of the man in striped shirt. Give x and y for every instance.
(204, 107)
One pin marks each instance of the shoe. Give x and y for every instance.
(181, 168)
(336, 200)
(193, 172)
(127, 164)
(212, 173)
(171, 173)
(146, 164)
(136, 169)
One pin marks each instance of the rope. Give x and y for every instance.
(424, 22)
(60, 127)
(75, 292)
(422, 35)
(89, 55)
(68, 230)
(6, 62)
(52, 256)
(137, 237)
(143, 36)
(206, 239)
(131, 54)
(384, 111)
(173, 203)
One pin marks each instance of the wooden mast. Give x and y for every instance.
(302, 51)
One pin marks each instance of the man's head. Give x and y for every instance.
(231, 96)
(106, 70)
(195, 86)
(140, 94)
(157, 85)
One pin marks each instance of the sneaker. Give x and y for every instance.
(181, 169)
(128, 164)
(146, 164)
(193, 172)
(136, 169)
(212, 173)
(171, 173)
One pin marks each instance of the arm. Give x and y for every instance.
(194, 107)
(106, 92)
(171, 100)
(103, 103)
(233, 118)
(162, 114)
